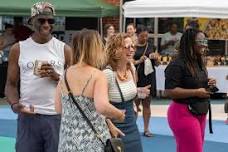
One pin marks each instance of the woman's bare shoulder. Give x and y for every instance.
(98, 73)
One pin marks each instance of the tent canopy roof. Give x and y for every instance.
(73, 8)
(176, 8)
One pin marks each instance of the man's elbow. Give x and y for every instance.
(9, 87)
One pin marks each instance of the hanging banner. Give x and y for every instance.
(216, 29)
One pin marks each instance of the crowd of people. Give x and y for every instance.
(108, 78)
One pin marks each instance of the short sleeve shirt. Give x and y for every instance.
(178, 75)
(166, 38)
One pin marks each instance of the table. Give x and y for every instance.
(220, 73)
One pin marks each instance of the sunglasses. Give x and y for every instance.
(43, 20)
(129, 46)
(202, 42)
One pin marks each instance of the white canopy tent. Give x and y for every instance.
(173, 8)
(176, 8)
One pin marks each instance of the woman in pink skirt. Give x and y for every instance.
(187, 84)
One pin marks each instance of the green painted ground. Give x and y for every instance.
(7, 144)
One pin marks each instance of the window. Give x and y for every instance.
(77, 23)
(148, 22)
(164, 23)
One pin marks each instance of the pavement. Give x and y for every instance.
(163, 141)
(159, 108)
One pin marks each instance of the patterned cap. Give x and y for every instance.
(39, 7)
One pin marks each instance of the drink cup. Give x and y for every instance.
(37, 67)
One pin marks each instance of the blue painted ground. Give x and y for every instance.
(165, 142)
(162, 142)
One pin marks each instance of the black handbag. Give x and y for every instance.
(198, 106)
(201, 107)
(112, 144)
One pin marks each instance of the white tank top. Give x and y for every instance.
(36, 91)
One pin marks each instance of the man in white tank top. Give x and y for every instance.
(38, 123)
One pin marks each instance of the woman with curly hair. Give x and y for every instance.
(122, 87)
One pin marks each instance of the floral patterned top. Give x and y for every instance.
(75, 133)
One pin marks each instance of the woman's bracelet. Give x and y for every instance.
(13, 105)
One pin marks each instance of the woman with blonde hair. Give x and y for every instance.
(89, 88)
(122, 87)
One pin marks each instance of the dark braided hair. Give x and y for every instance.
(189, 53)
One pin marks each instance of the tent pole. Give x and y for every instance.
(156, 31)
(226, 47)
(134, 22)
(124, 25)
(98, 25)
(121, 17)
(101, 26)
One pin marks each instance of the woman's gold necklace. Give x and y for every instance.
(122, 77)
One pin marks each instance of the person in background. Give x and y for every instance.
(109, 30)
(22, 32)
(226, 110)
(122, 87)
(131, 31)
(90, 89)
(6, 41)
(192, 23)
(39, 62)
(170, 41)
(144, 50)
(186, 82)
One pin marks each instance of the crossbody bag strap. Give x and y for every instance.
(145, 49)
(121, 94)
(144, 52)
(70, 94)
(210, 119)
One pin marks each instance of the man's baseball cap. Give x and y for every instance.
(38, 8)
